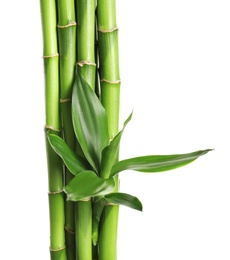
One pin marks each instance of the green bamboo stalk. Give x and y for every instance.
(67, 50)
(84, 230)
(86, 40)
(86, 65)
(110, 97)
(55, 170)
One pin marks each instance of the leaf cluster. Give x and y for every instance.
(94, 172)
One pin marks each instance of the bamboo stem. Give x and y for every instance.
(55, 171)
(67, 50)
(86, 65)
(110, 96)
(84, 230)
(86, 40)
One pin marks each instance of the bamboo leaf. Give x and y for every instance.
(87, 184)
(114, 198)
(125, 200)
(89, 121)
(73, 162)
(109, 154)
(156, 163)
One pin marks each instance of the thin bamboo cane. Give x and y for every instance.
(84, 230)
(86, 40)
(86, 65)
(55, 170)
(110, 95)
(67, 50)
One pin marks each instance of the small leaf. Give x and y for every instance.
(87, 184)
(89, 121)
(124, 199)
(73, 162)
(156, 163)
(109, 154)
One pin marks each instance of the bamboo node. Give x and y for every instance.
(50, 56)
(71, 23)
(111, 82)
(69, 230)
(58, 249)
(64, 100)
(110, 204)
(86, 62)
(85, 200)
(108, 30)
(55, 192)
(47, 127)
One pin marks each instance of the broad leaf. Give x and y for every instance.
(124, 199)
(73, 162)
(109, 154)
(89, 121)
(87, 184)
(156, 163)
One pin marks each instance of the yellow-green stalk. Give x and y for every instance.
(55, 169)
(110, 93)
(67, 50)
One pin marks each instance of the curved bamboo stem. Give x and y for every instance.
(55, 172)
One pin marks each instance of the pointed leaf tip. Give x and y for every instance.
(156, 163)
(125, 200)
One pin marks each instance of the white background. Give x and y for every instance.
(175, 71)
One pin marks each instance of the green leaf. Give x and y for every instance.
(156, 163)
(110, 152)
(124, 199)
(87, 184)
(89, 121)
(73, 162)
